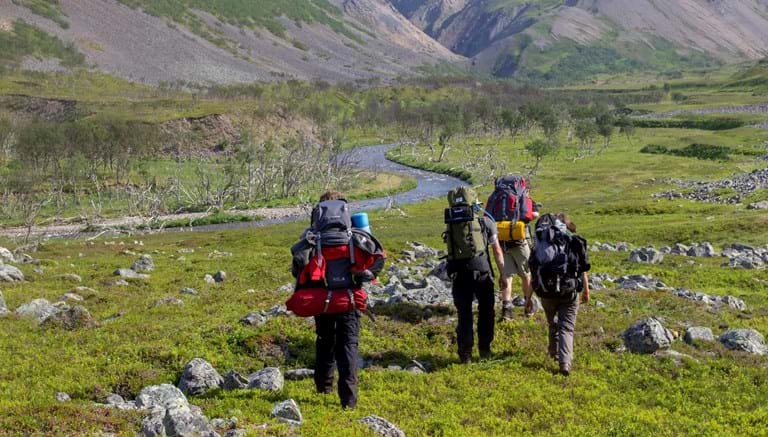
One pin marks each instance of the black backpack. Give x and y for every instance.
(558, 259)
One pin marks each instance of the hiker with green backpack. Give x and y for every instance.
(469, 233)
(559, 266)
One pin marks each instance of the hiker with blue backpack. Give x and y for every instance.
(469, 234)
(511, 207)
(559, 266)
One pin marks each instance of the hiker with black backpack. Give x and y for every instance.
(512, 208)
(331, 262)
(469, 233)
(559, 267)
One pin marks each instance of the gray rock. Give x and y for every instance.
(236, 433)
(299, 374)
(676, 357)
(698, 333)
(254, 319)
(152, 425)
(234, 381)
(164, 395)
(189, 291)
(646, 255)
(220, 276)
(441, 271)
(596, 283)
(382, 426)
(168, 300)
(38, 309)
(62, 397)
(10, 274)
(180, 421)
(269, 378)
(758, 205)
(745, 340)
(70, 277)
(288, 412)
(413, 284)
(6, 256)
(70, 319)
(117, 401)
(416, 367)
(144, 264)
(199, 377)
(647, 336)
(3, 309)
(209, 279)
(72, 296)
(130, 274)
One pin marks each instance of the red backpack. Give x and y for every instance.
(510, 200)
(331, 262)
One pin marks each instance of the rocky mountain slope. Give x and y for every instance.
(554, 37)
(205, 43)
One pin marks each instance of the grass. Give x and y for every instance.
(28, 40)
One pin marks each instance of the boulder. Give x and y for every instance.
(382, 427)
(144, 264)
(234, 381)
(10, 274)
(758, 205)
(269, 378)
(254, 319)
(745, 340)
(130, 274)
(299, 374)
(117, 401)
(71, 319)
(646, 255)
(70, 277)
(220, 276)
(647, 336)
(199, 377)
(164, 395)
(6, 256)
(177, 421)
(62, 397)
(38, 309)
(697, 334)
(189, 291)
(288, 412)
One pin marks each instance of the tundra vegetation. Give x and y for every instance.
(114, 149)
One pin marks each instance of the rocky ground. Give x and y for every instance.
(742, 186)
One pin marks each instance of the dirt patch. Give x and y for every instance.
(6, 25)
(58, 110)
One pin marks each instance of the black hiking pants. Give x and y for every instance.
(336, 347)
(468, 285)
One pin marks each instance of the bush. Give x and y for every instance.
(696, 150)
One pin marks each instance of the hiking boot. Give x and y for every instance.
(465, 357)
(506, 313)
(485, 353)
(565, 370)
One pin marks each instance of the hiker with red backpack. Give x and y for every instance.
(512, 208)
(469, 233)
(331, 262)
(559, 267)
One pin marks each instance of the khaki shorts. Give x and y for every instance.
(516, 261)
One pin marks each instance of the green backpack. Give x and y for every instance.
(467, 246)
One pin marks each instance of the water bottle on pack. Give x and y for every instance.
(360, 221)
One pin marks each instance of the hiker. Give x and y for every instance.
(559, 266)
(331, 262)
(469, 233)
(512, 208)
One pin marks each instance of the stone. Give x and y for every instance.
(117, 401)
(254, 319)
(646, 255)
(72, 296)
(168, 300)
(234, 381)
(220, 276)
(236, 433)
(163, 395)
(6, 256)
(189, 291)
(745, 340)
(177, 421)
(415, 367)
(413, 284)
(382, 427)
(209, 279)
(288, 412)
(269, 378)
(441, 271)
(199, 377)
(38, 309)
(216, 254)
(73, 318)
(647, 336)
(70, 277)
(10, 274)
(676, 357)
(299, 374)
(698, 333)
(130, 274)
(144, 264)
(62, 397)
(758, 205)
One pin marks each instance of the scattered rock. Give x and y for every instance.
(38, 309)
(288, 412)
(717, 301)
(742, 184)
(746, 340)
(168, 300)
(170, 413)
(415, 367)
(10, 274)
(254, 319)
(73, 318)
(144, 264)
(647, 336)
(216, 254)
(269, 378)
(382, 426)
(641, 282)
(130, 274)
(117, 401)
(71, 277)
(189, 291)
(62, 397)
(220, 276)
(209, 279)
(622, 246)
(299, 374)
(677, 357)
(646, 255)
(236, 433)
(758, 205)
(71, 296)
(3, 309)
(698, 333)
(199, 377)
(164, 395)
(6, 256)
(234, 381)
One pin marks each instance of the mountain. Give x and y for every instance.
(557, 40)
(228, 41)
